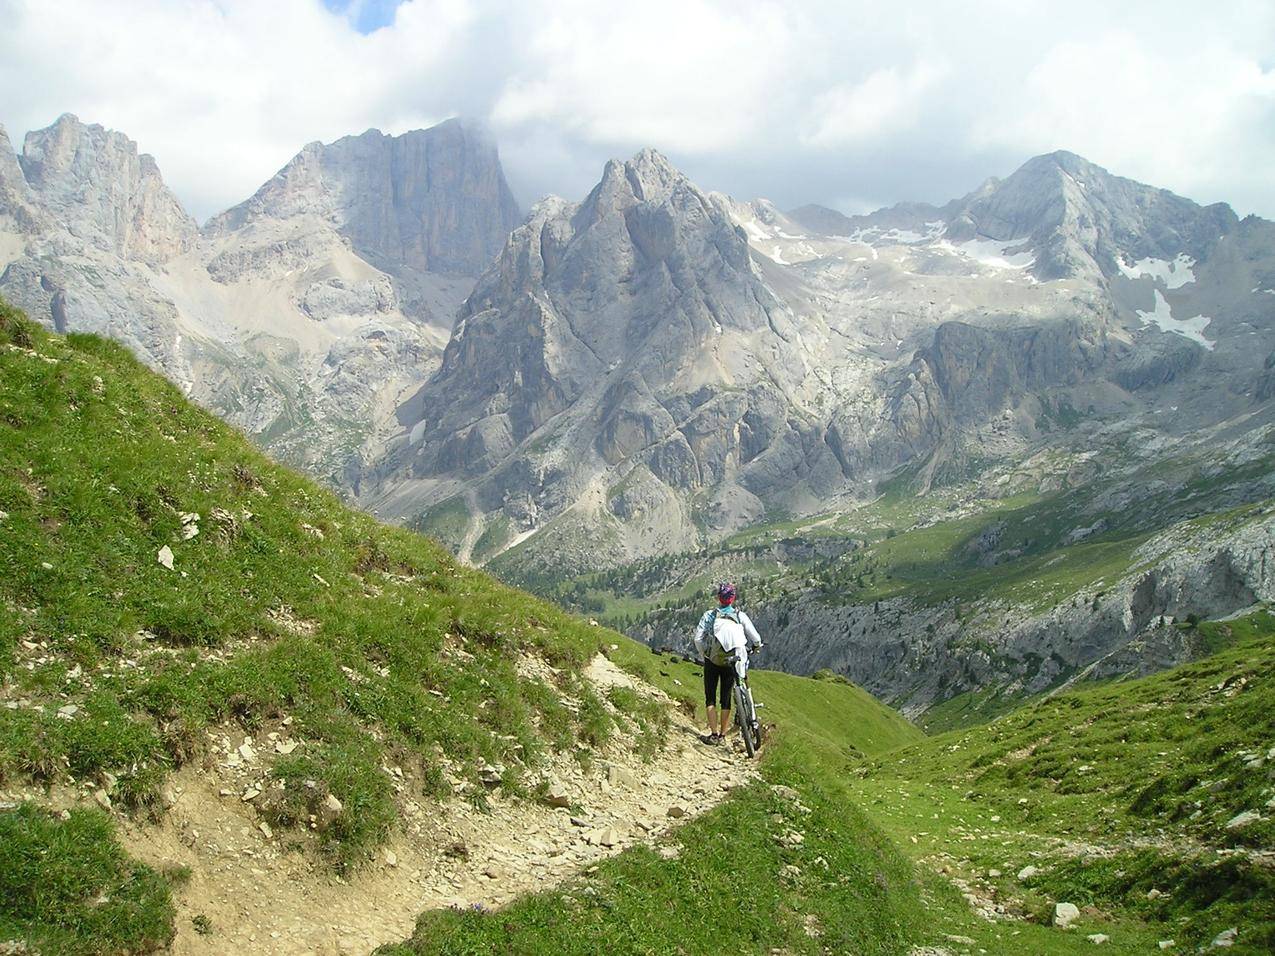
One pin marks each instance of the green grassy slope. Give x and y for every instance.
(1123, 796)
(734, 885)
(727, 888)
(283, 604)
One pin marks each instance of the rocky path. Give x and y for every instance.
(249, 893)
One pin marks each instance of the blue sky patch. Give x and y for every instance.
(366, 16)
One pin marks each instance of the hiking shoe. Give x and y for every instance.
(708, 738)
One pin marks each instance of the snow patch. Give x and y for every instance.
(992, 253)
(876, 236)
(1173, 274)
(1162, 318)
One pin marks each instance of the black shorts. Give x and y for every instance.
(713, 674)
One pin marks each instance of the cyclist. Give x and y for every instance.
(721, 631)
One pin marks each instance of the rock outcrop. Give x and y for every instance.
(93, 183)
(432, 200)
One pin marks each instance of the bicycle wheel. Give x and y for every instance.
(746, 719)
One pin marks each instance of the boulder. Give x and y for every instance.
(1065, 914)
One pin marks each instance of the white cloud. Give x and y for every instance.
(885, 101)
(677, 73)
(803, 101)
(1179, 119)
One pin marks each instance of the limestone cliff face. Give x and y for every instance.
(625, 341)
(94, 183)
(429, 200)
(968, 374)
(18, 213)
(303, 314)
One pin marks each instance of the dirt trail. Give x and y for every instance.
(260, 897)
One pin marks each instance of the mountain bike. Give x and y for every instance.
(745, 708)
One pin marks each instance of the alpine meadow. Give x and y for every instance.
(404, 560)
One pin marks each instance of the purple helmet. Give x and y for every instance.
(725, 592)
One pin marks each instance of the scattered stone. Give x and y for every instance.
(286, 746)
(1154, 894)
(609, 837)
(1027, 872)
(67, 712)
(676, 812)
(265, 828)
(1243, 819)
(1167, 943)
(784, 792)
(165, 557)
(489, 775)
(556, 795)
(103, 800)
(959, 940)
(579, 822)
(669, 852)
(457, 851)
(790, 839)
(252, 793)
(1065, 914)
(620, 777)
(391, 858)
(1225, 939)
(993, 874)
(1097, 938)
(327, 812)
(247, 752)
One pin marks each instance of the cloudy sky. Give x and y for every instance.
(851, 103)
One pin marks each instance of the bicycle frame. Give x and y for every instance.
(745, 708)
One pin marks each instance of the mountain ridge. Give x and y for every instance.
(301, 327)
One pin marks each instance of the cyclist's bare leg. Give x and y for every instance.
(712, 720)
(725, 721)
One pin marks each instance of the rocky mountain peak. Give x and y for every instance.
(426, 200)
(609, 334)
(1081, 220)
(95, 182)
(17, 210)
(10, 171)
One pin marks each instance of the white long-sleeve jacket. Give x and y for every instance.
(704, 631)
